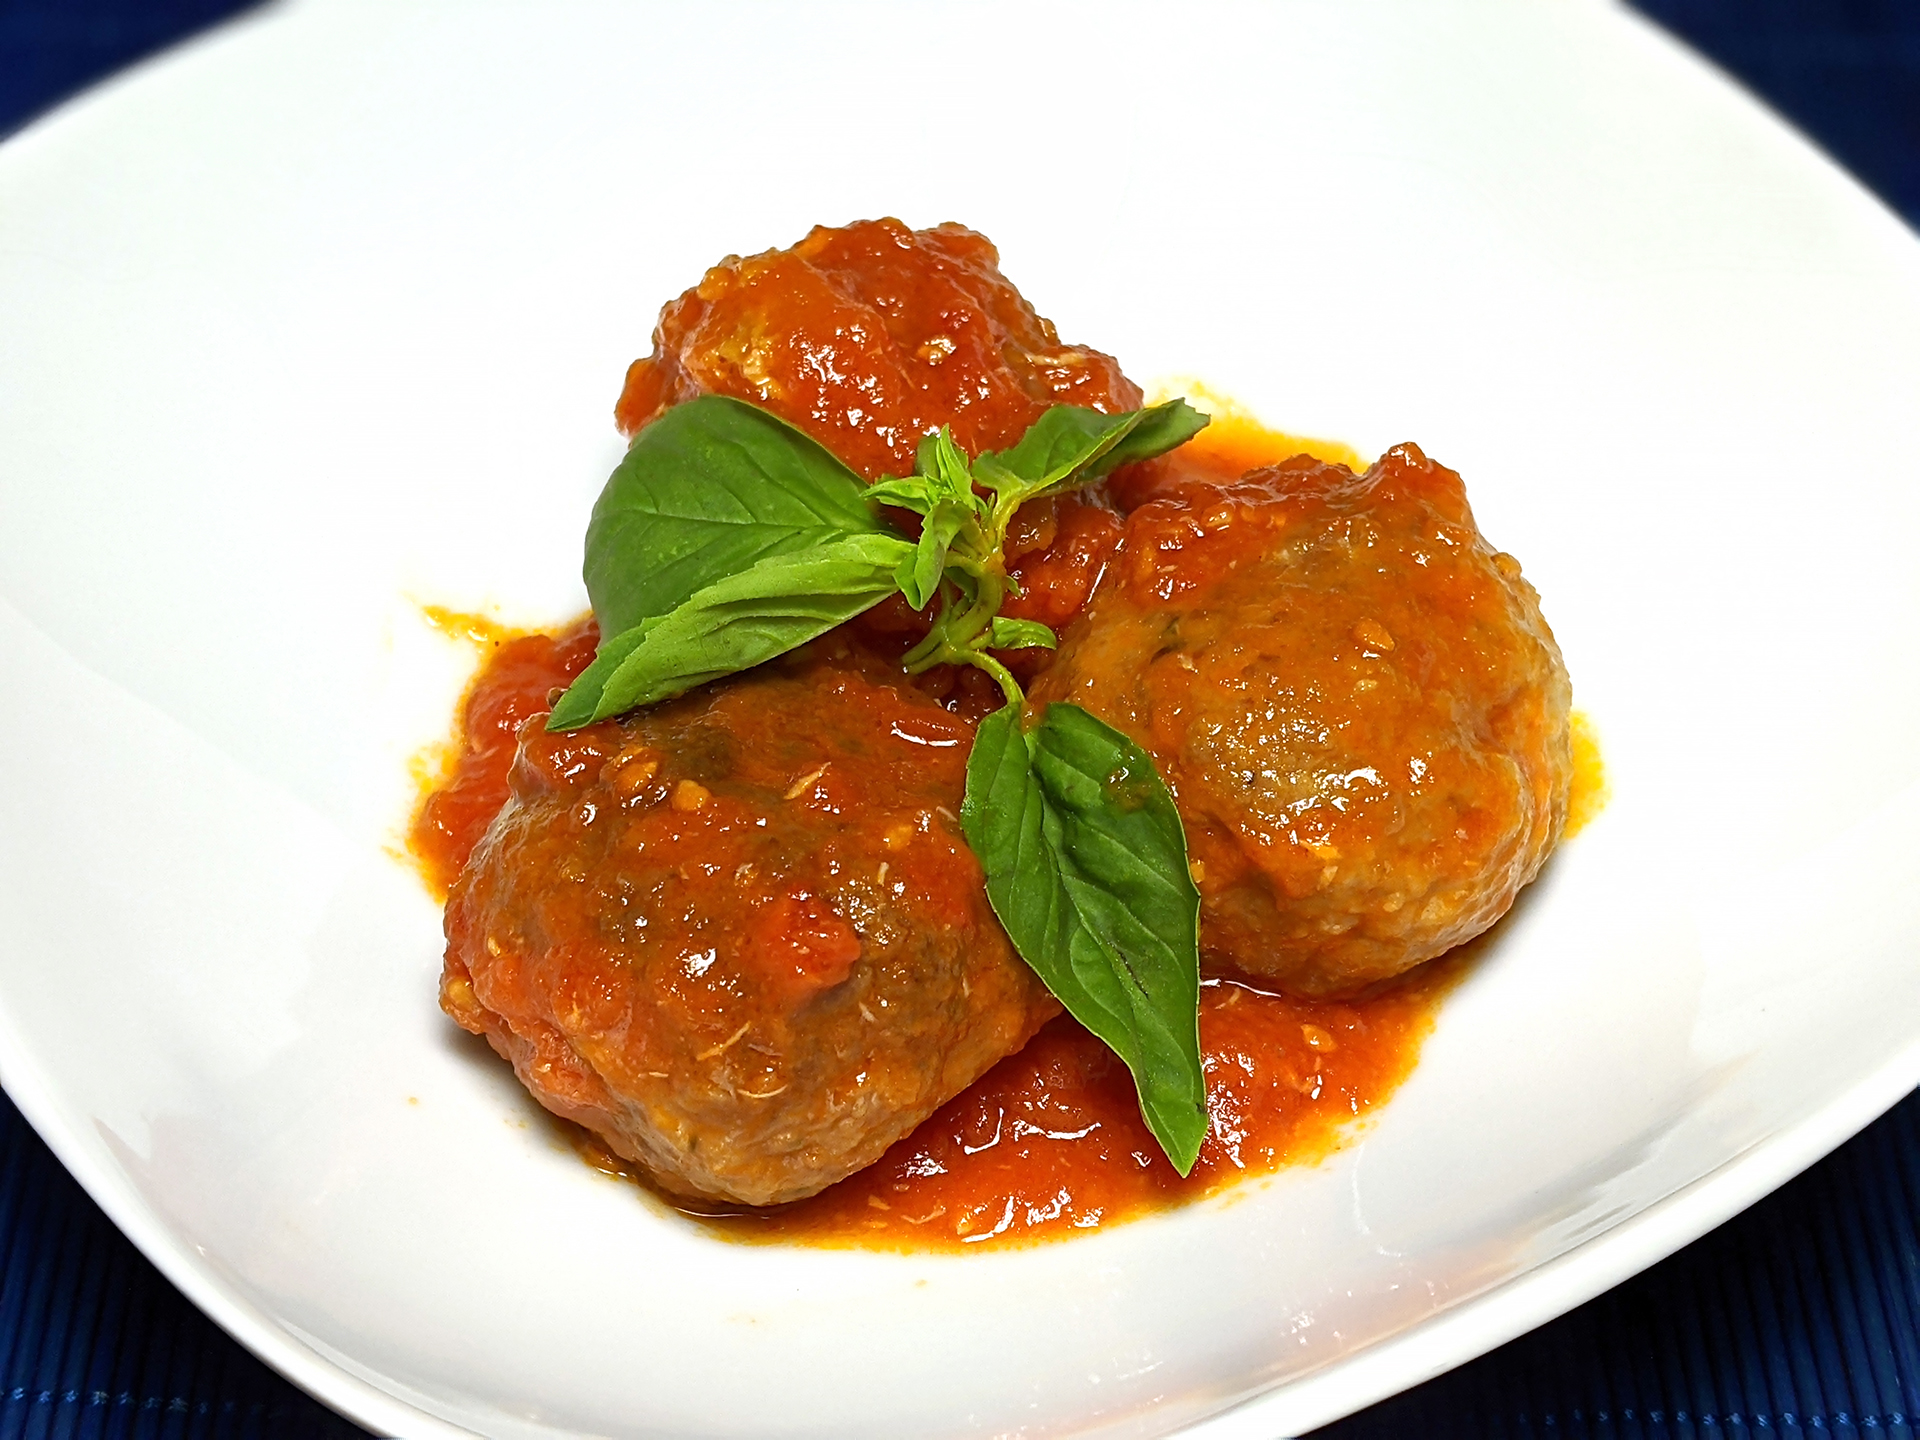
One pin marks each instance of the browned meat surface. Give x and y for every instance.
(1359, 707)
(739, 935)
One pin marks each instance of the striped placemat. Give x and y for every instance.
(1800, 1317)
(93, 1340)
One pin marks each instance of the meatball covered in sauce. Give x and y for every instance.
(1361, 712)
(739, 935)
(870, 337)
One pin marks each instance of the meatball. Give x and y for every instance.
(739, 935)
(871, 336)
(1355, 699)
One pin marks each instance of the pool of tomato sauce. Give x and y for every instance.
(1050, 1140)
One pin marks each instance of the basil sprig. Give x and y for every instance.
(1086, 867)
(726, 537)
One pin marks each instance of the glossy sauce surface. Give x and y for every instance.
(518, 671)
(1049, 1142)
(869, 336)
(738, 934)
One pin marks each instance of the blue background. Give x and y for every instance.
(1800, 1317)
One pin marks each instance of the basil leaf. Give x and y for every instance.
(941, 490)
(944, 464)
(1071, 444)
(708, 489)
(919, 576)
(737, 622)
(580, 705)
(1162, 428)
(1008, 634)
(912, 493)
(1086, 866)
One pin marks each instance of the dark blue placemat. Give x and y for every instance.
(1799, 1318)
(51, 48)
(1845, 71)
(93, 1340)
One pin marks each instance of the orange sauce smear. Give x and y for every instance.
(1235, 441)
(1588, 795)
(1050, 1141)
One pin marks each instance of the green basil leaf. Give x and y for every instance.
(1071, 444)
(911, 493)
(1162, 428)
(919, 576)
(579, 705)
(944, 464)
(708, 489)
(1086, 866)
(941, 490)
(1008, 634)
(737, 622)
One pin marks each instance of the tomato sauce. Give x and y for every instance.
(868, 336)
(1049, 1142)
(518, 674)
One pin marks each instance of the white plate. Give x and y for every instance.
(327, 315)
